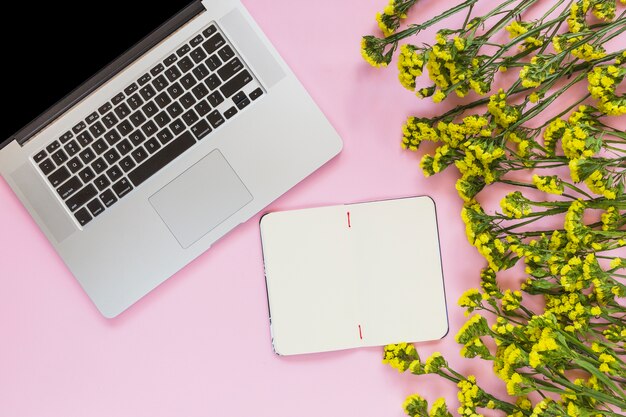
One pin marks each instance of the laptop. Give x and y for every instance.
(141, 132)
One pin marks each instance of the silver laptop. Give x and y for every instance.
(196, 126)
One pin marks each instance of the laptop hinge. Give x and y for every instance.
(108, 72)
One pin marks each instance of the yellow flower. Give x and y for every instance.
(410, 65)
(615, 263)
(439, 96)
(415, 405)
(372, 51)
(516, 29)
(549, 184)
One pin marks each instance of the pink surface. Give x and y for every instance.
(199, 345)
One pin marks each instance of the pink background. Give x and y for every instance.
(199, 345)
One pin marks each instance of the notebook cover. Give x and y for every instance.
(348, 276)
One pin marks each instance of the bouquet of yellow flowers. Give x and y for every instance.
(565, 358)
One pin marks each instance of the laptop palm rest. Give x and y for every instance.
(201, 198)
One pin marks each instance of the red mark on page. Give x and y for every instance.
(349, 225)
(360, 332)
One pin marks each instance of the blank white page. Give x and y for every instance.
(354, 275)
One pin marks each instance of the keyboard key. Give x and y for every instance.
(170, 60)
(160, 159)
(127, 164)
(175, 110)
(149, 128)
(59, 176)
(216, 119)
(81, 197)
(72, 148)
(114, 173)
(157, 70)
(173, 74)
(236, 83)
(134, 101)
(215, 98)
(144, 79)
(112, 137)
(183, 50)
(230, 112)
(185, 64)
(150, 109)
(137, 118)
(213, 62)
(106, 107)
(188, 81)
(79, 127)
(164, 136)
(202, 108)
(100, 146)
(118, 99)
(190, 117)
(87, 156)
(124, 147)
(200, 91)
(239, 97)
(201, 129)
(256, 94)
(243, 103)
(83, 216)
(122, 187)
(108, 198)
(230, 69)
(153, 145)
(59, 157)
(40, 156)
(111, 156)
(214, 43)
(131, 89)
(75, 165)
(95, 207)
(86, 175)
(122, 111)
(69, 188)
(109, 120)
(175, 90)
(140, 155)
(162, 100)
(196, 41)
(125, 127)
(137, 138)
(160, 83)
(84, 139)
(47, 166)
(187, 100)
(92, 117)
(209, 31)
(147, 92)
(197, 55)
(201, 72)
(226, 53)
(53, 146)
(162, 119)
(177, 127)
(99, 165)
(213, 82)
(66, 137)
(97, 129)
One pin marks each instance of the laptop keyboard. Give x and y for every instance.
(180, 101)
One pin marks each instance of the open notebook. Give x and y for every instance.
(354, 275)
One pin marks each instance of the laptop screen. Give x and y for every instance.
(59, 45)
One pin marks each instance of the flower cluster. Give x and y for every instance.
(568, 350)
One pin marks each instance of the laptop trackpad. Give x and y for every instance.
(201, 198)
